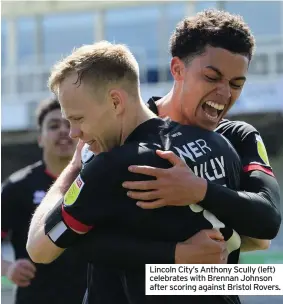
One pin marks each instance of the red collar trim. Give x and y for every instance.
(50, 174)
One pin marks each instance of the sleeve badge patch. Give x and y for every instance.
(261, 150)
(73, 192)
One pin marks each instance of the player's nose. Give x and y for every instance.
(75, 132)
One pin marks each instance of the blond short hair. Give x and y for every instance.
(99, 64)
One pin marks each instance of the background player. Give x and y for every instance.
(63, 281)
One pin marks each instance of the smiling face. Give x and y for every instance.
(54, 136)
(94, 118)
(208, 86)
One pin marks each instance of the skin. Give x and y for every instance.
(217, 75)
(87, 114)
(58, 149)
(102, 122)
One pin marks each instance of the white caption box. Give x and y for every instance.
(188, 279)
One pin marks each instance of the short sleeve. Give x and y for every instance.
(89, 201)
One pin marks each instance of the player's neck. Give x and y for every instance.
(168, 106)
(137, 115)
(55, 165)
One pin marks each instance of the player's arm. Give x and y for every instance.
(21, 271)
(255, 211)
(66, 215)
(39, 246)
(252, 244)
(113, 249)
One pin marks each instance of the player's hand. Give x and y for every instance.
(205, 247)
(77, 158)
(21, 272)
(176, 186)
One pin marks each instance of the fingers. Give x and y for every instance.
(20, 280)
(22, 283)
(21, 272)
(214, 234)
(140, 185)
(80, 145)
(26, 273)
(171, 157)
(28, 265)
(147, 170)
(152, 205)
(224, 257)
(20, 277)
(143, 196)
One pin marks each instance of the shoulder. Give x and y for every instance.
(113, 165)
(123, 155)
(197, 134)
(235, 128)
(19, 177)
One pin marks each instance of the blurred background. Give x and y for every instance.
(35, 34)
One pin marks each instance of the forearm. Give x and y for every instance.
(39, 246)
(255, 213)
(251, 244)
(125, 251)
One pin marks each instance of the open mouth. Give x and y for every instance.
(212, 110)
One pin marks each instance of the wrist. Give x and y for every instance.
(201, 189)
(74, 166)
(183, 253)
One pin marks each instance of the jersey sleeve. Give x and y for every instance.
(9, 207)
(255, 211)
(89, 200)
(249, 145)
(254, 155)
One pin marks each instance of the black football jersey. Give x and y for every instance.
(63, 281)
(98, 202)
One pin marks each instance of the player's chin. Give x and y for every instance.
(65, 153)
(207, 124)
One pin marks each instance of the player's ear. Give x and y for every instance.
(177, 68)
(117, 99)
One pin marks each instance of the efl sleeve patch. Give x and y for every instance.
(261, 150)
(73, 193)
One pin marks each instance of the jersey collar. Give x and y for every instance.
(48, 173)
(144, 130)
(152, 104)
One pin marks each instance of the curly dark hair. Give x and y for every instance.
(44, 107)
(214, 28)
